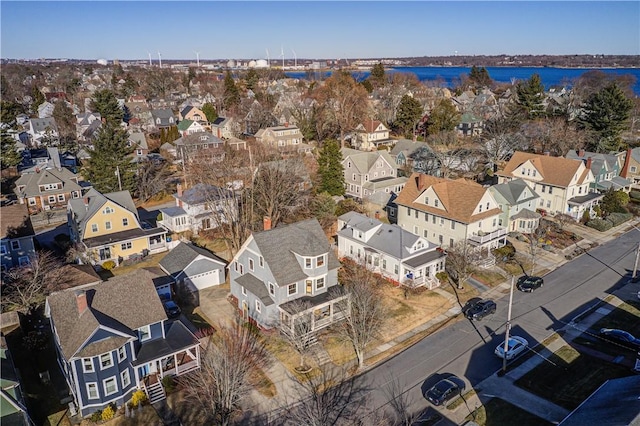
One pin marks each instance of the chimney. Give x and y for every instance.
(86, 202)
(625, 166)
(588, 165)
(286, 124)
(179, 189)
(266, 223)
(581, 153)
(81, 301)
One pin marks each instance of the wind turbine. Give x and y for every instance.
(282, 54)
(268, 63)
(150, 64)
(160, 58)
(197, 58)
(295, 59)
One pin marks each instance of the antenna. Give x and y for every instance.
(197, 57)
(149, 58)
(295, 59)
(160, 58)
(268, 64)
(282, 54)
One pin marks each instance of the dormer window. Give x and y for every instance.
(307, 263)
(144, 333)
(320, 261)
(108, 210)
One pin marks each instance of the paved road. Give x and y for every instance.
(466, 349)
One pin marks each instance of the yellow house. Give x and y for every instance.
(107, 227)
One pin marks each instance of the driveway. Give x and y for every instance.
(214, 305)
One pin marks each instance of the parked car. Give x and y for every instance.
(444, 390)
(528, 284)
(480, 309)
(622, 337)
(171, 308)
(515, 346)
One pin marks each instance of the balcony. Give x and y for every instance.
(481, 238)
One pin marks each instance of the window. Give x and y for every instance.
(126, 246)
(548, 204)
(319, 261)
(633, 169)
(251, 264)
(94, 227)
(106, 361)
(108, 210)
(125, 378)
(244, 291)
(15, 245)
(487, 206)
(125, 222)
(426, 217)
(436, 203)
(480, 208)
(122, 353)
(494, 222)
(416, 213)
(92, 390)
(61, 198)
(319, 283)
(87, 365)
(307, 262)
(395, 269)
(292, 289)
(145, 333)
(550, 189)
(261, 261)
(440, 239)
(384, 264)
(426, 200)
(353, 176)
(258, 306)
(453, 225)
(23, 260)
(523, 172)
(272, 289)
(107, 225)
(3, 249)
(32, 201)
(534, 172)
(110, 386)
(52, 199)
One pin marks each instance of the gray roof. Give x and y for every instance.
(109, 305)
(406, 145)
(177, 338)
(198, 138)
(512, 190)
(278, 246)
(183, 254)
(256, 286)
(526, 214)
(614, 403)
(32, 182)
(96, 200)
(220, 122)
(173, 211)
(424, 258)
(138, 139)
(616, 183)
(364, 161)
(41, 124)
(597, 159)
(202, 193)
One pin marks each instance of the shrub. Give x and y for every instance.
(619, 218)
(505, 252)
(108, 413)
(62, 240)
(442, 276)
(138, 397)
(600, 224)
(168, 383)
(96, 416)
(159, 217)
(586, 217)
(108, 265)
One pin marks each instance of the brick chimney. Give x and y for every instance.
(266, 223)
(625, 167)
(588, 165)
(81, 301)
(179, 189)
(86, 202)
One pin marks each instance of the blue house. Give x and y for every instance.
(114, 338)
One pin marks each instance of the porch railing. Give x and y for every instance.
(485, 238)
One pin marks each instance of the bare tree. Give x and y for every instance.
(367, 312)
(221, 383)
(152, 178)
(536, 240)
(25, 288)
(298, 332)
(400, 402)
(462, 259)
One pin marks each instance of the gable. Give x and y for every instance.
(115, 218)
(202, 265)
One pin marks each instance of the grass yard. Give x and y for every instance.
(571, 378)
(261, 382)
(464, 295)
(149, 261)
(340, 350)
(489, 278)
(145, 416)
(498, 412)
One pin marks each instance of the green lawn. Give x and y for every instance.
(570, 377)
(497, 412)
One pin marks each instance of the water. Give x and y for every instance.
(450, 76)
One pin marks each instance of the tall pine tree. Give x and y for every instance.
(408, 113)
(606, 114)
(9, 157)
(231, 92)
(530, 96)
(330, 168)
(110, 159)
(105, 102)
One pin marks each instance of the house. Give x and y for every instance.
(284, 274)
(389, 250)
(445, 211)
(285, 137)
(631, 166)
(45, 110)
(223, 127)
(470, 125)
(137, 141)
(110, 344)
(518, 204)
(194, 267)
(562, 183)
(193, 113)
(415, 156)
(188, 127)
(139, 109)
(107, 227)
(16, 244)
(40, 159)
(163, 118)
(85, 127)
(13, 410)
(47, 189)
(199, 208)
(369, 174)
(199, 144)
(371, 134)
(43, 131)
(606, 170)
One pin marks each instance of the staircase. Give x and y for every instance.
(155, 392)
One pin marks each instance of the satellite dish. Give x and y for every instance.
(102, 61)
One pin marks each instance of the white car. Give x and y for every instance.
(516, 345)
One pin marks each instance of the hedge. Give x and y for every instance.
(600, 224)
(619, 218)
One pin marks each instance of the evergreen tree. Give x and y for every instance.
(210, 112)
(65, 120)
(330, 168)
(9, 156)
(105, 102)
(252, 78)
(479, 77)
(444, 117)
(606, 113)
(231, 92)
(409, 112)
(126, 114)
(530, 96)
(37, 98)
(110, 158)
(377, 76)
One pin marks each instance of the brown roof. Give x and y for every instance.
(78, 275)
(459, 197)
(15, 221)
(371, 125)
(554, 170)
(124, 303)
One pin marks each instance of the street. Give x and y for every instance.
(466, 349)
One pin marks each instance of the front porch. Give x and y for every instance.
(578, 205)
(318, 312)
(420, 271)
(497, 238)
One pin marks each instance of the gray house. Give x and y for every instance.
(282, 274)
(163, 118)
(17, 236)
(194, 266)
(368, 174)
(518, 203)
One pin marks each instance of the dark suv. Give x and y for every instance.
(529, 284)
(480, 309)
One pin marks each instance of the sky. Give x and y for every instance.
(314, 30)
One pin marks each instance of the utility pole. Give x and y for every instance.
(635, 265)
(508, 328)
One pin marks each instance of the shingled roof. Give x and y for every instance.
(459, 197)
(557, 171)
(109, 305)
(278, 246)
(15, 221)
(182, 255)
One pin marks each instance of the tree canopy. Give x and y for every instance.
(606, 114)
(479, 77)
(110, 159)
(330, 168)
(444, 117)
(530, 96)
(106, 104)
(407, 116)
(210, 112)
(9, 157)
(231, 92)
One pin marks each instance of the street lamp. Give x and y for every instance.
(508, 328)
